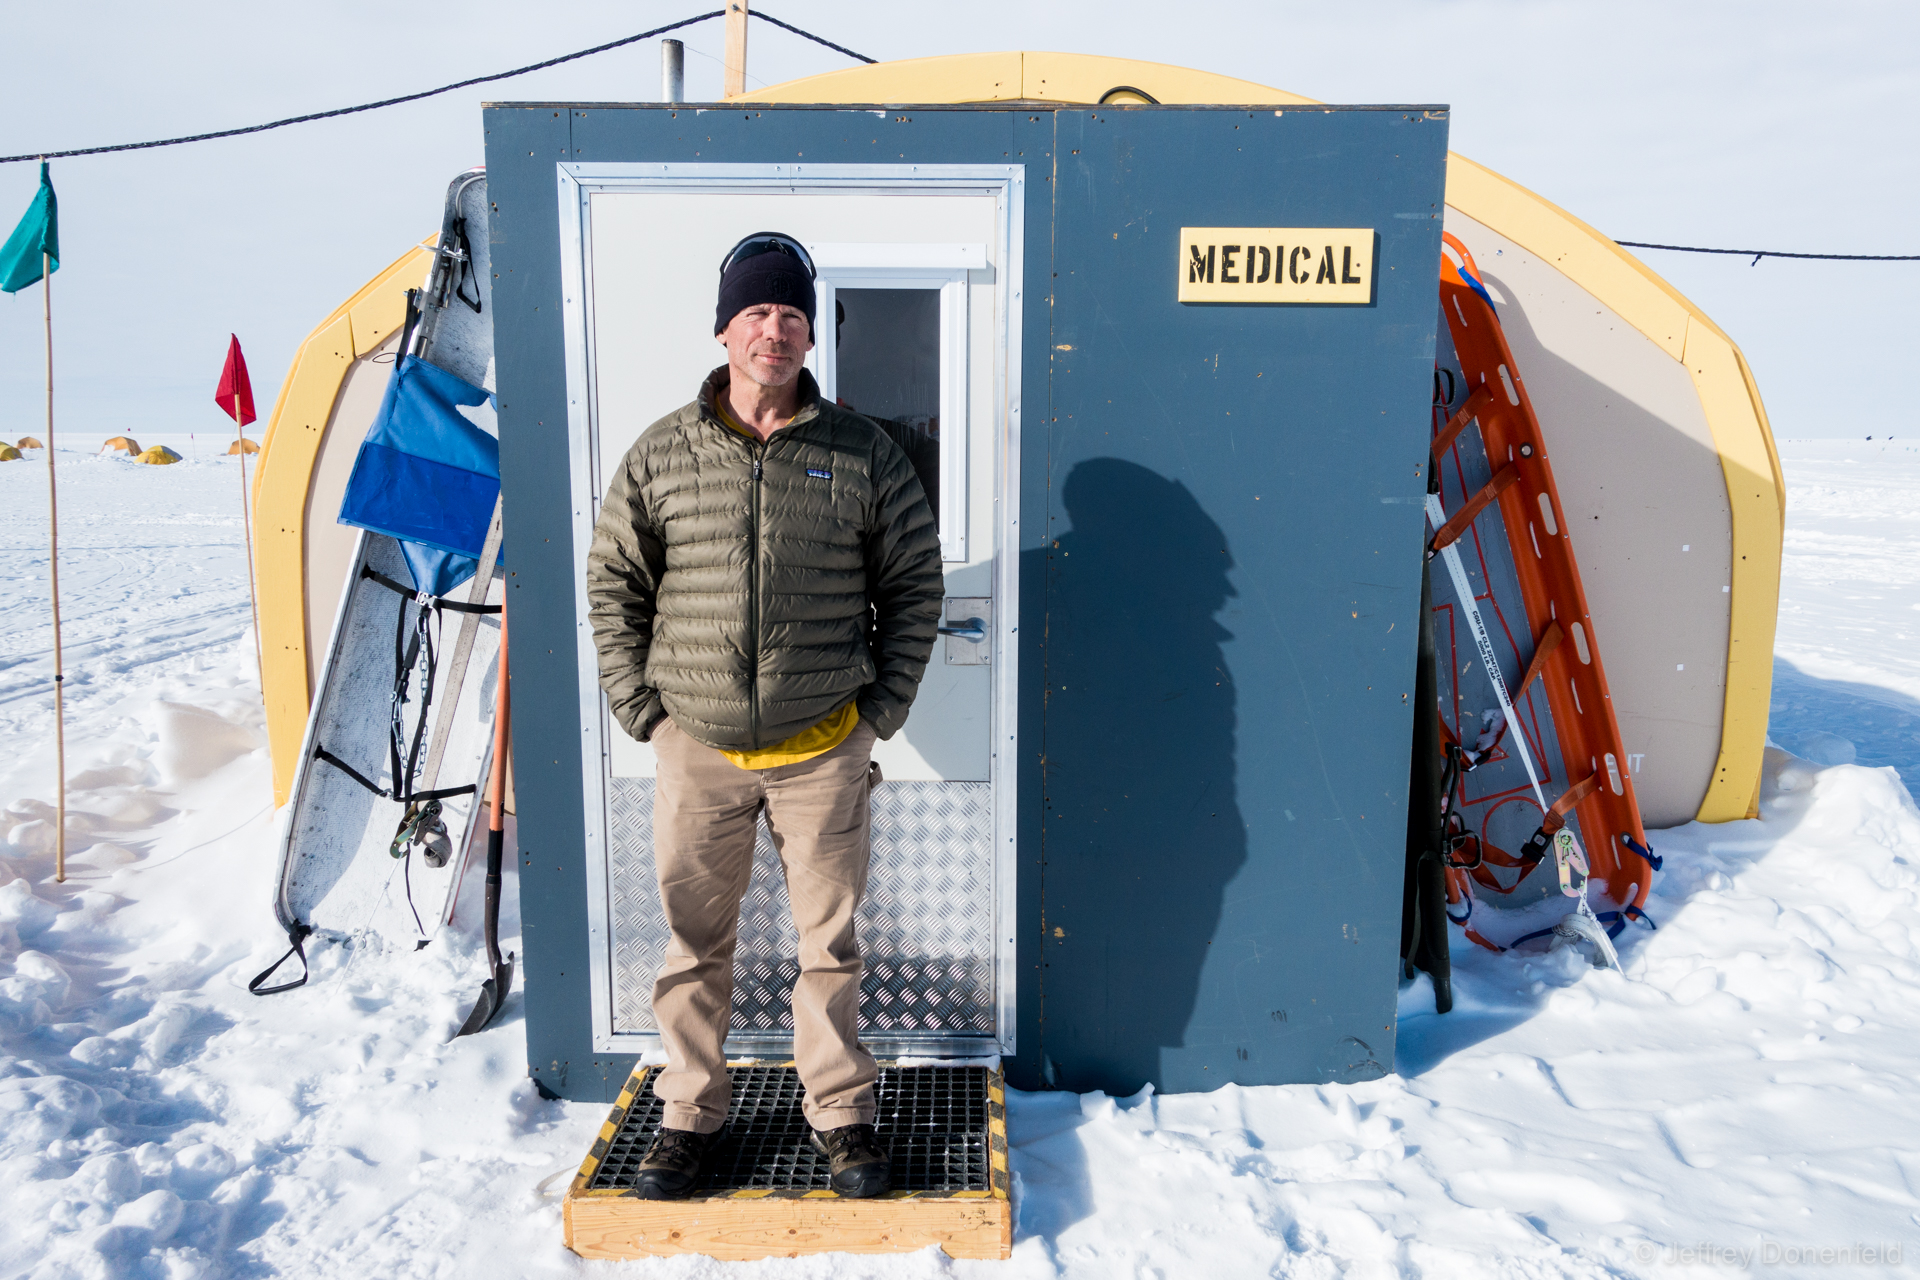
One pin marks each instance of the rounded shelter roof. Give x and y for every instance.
(1727, 397)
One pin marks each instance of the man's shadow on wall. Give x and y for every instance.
(1143, 830)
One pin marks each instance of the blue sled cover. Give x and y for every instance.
(427, 476)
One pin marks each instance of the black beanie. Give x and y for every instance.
(763, 278)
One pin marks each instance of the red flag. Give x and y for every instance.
(236, 393)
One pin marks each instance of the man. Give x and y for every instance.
(765, 586)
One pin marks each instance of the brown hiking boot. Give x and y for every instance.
(859, 1167)
(672, 1164)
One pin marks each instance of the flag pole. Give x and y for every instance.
(246, 532)
(53, 562)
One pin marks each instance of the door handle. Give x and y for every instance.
(966, 622)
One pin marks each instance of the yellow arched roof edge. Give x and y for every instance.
(284, 475)
(1756, 490)
(1033, 76)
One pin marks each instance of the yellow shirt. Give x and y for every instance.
(807, 743)
(804, 745)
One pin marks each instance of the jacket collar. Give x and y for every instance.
(717, 382)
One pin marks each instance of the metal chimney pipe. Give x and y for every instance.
(673, 71)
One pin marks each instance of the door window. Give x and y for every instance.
(901, 316)
(887, 357)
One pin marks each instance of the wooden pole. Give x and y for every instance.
(246, 532)
(53, 565)
(736, 83)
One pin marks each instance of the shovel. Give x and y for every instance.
(493, 992)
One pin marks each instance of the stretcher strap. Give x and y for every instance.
(439, 602)
(1529, 937)
(321, 753)
(1475, 405)
(1644, 850)
(1449, 533)
(1469, 760)
(1460, 893)
(297, 935)
(1492, 857)
(1549, 641)
(1483, 856)
(403, 757)
(1557, 816)
(1460, 877)
(1616, 921)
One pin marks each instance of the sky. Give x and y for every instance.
(1759, 124)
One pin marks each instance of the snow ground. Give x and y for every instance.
(1741, 1093)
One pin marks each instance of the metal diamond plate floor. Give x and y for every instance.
(925, 928)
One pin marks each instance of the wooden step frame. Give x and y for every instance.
(739, 1226)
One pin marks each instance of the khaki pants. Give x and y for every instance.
(705, 811)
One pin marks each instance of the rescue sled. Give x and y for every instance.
(1540, 751)
(398, 748)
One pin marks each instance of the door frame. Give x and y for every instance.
(576, 184)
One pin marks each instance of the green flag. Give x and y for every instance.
(37, 234)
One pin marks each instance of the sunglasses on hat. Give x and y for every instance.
(768, 242)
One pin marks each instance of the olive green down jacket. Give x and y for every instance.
(730, 581)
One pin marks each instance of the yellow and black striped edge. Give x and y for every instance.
(615, 1118)
(997, 1132)
(996, 1152)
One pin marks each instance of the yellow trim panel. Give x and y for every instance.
(280, 486)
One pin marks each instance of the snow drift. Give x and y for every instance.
(1743, 1087)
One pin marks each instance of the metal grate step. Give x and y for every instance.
(942, 1127)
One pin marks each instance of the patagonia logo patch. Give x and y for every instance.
(820, 473)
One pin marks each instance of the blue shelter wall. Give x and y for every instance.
(1218, 611)
(1232, 586)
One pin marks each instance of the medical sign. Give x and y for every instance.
(1276, 264)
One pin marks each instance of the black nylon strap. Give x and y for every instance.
(406, 648)
(466, 265)
(406, 330)
(321, 753)
(444, 793)
(298, 936)
(408, 642)
(439, 602)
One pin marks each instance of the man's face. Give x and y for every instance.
(768, 343)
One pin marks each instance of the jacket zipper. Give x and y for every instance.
(753, 605)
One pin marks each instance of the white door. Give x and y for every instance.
(917, 323)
